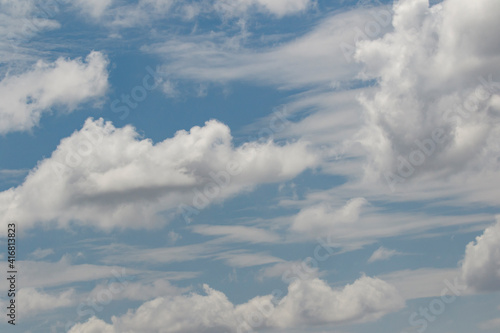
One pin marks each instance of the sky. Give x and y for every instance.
(251, 165)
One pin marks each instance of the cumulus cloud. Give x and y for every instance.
(481, 264)
(323, 217)
(62, 84)
(308, 302)
(109, 177)
(436, 109)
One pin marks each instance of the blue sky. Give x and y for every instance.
(265, 165)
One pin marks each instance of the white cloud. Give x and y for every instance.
(426, 282)
(41, 253)
(40, 274)
(481, 264)
(34, 301)
(129, 15)
(277, 270)
(108, 177)
(325, 214)
(64, 83)
(313, 302)
(383, 254)
(323, 218)
(314, 59)
(93, 325)
(278, 8)
(173, 237)
(94, 8)
(21, 20)
(431, 108)
(234, 233)
(241, 258)
(141, 291)
(310, 302)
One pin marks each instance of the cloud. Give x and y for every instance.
(108, 177)
(241, 258)
(34, 301)
(279, 269)
(383, 254)
(481, 265)
(310, 302)
(233, 233)
(138, 291)
(279, 8)
(349, 223)
(40, 274)
(21, 20)
(62, 84)
(94, 8)
(426, 282)
(40, 254)
(323, 218)
(313, 59)
(490, 324)
(93, 325)
(436, 110)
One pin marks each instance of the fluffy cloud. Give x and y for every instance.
(323, 218)
(34, 301)
(308, 302)
(109, 177)
(437, 106)
(481, 265)
(64, 84)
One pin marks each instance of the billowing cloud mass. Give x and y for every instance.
(62, 84)
(481, 265)
(109, 177)
(308, 302)
(437, 107)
